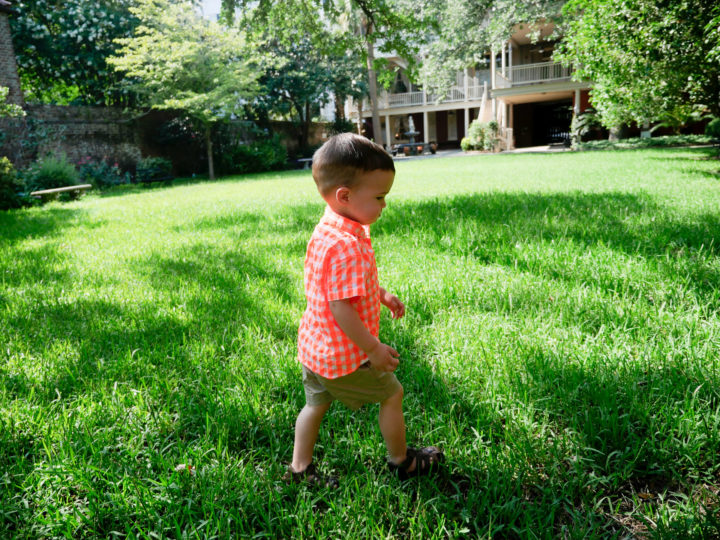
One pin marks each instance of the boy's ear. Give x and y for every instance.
(342, 195)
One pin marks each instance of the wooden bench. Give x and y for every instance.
(47, 194)
(306, 161)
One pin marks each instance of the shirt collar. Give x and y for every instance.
(333, 219)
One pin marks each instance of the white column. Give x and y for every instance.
(467, 119)
(503, 62)
(494, 109)
(388, 136)
(510, 59)
(493, 58)
(426, 127)
(465, 83)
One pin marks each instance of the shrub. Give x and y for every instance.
(10, 186)
(481, 136)
(261, 155)
(341, 125)
(50, 172)
(101, 174)
(582, 124)
(713, 128)
(153, 169)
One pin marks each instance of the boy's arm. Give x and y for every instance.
(382, 357)
(393, 303)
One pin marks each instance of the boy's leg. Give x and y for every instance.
(307, 428)
(392, 427)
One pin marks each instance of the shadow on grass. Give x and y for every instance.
(21, 224)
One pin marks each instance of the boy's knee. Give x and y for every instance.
(318, 409)
(397, 397)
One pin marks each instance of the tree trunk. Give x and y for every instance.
(339, 107)
(372, 84)
(305, 128)
(360, 118)
(208, 143)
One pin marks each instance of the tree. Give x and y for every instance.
(178, 60)
(386, 25)
(649, 60)
(62, 47)
(8, 109)
(305, 80)
(469, 29)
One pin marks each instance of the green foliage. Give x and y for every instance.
(262, 154)
(211, 76)
(713, 128)
(153, 169)
(481, 136)
(469, 29)
(101, 173)
(8, 109)
(650, 142)
(582, 124)
(10, 186)
(62, 49)
(49, 172)
(341, 125)
(649, 60)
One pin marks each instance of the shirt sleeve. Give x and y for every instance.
(344, 274)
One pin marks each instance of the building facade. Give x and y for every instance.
(531, 97)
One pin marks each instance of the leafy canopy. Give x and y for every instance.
(649, 60)
(178, 60)
(62, 48)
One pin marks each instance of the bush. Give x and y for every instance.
(583, 124)
(713, 128)
(101, 174)
(153, 169)
(50, 172)
(638, 142)
(341, 125)
(481, 136)
(10, 186)
(261, 155)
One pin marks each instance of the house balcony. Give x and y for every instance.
(471, 90)
(526, 74)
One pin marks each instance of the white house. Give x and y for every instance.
(531, 96)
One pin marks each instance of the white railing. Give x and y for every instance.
(534, 73)
(404, 100)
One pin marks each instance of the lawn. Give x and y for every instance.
(561, 344)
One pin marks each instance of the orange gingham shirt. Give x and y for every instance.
(339, 264)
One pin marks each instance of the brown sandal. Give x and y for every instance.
(426, 459)
(311, 476)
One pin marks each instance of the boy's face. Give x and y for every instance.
(364, 202)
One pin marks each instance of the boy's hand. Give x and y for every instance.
(393, 303)
(383, 357)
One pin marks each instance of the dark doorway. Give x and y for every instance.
(537, 124)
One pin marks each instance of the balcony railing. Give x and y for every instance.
(533, 73)
(471, 88)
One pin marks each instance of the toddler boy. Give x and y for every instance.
(338, 346)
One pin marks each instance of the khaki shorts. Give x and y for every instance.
(364, 385)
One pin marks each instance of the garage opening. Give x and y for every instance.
(538, 124)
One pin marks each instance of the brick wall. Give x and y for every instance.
(8, 66)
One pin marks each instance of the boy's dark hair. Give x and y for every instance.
(338, 162)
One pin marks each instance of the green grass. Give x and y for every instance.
(561, 344)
